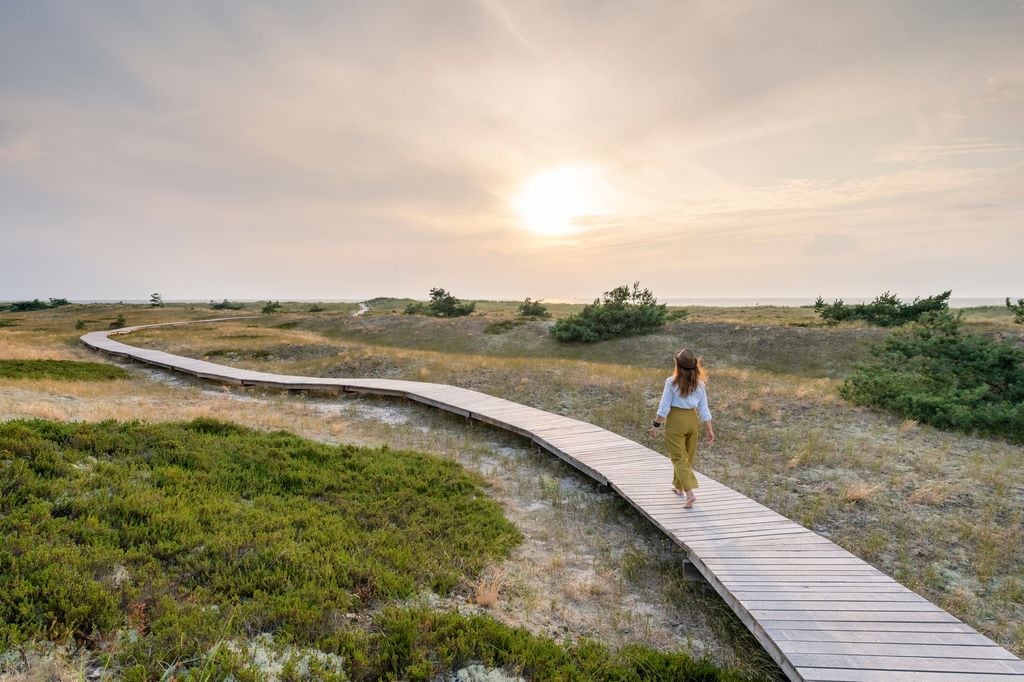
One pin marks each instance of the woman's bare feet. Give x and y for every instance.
(677, 491)
(690, 499)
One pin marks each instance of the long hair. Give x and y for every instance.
(689, 372)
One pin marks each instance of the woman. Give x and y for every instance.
(684, 399)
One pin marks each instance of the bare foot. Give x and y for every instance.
(677, 491)
(690, 499)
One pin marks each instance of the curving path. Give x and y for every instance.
(819, 611)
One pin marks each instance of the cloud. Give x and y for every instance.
(831, 245)
(19, 146)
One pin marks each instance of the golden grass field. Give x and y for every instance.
(941, 512)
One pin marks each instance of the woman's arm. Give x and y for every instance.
(663, 407)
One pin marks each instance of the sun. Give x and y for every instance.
(552, 201)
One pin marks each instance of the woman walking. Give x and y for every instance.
(684, 399)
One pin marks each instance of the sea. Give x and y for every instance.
(709, 302)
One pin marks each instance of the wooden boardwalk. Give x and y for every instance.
(819, 611)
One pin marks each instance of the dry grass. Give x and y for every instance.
(859, 492)
(908, 425)
(932, 494)
(488, 587)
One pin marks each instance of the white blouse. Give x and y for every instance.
(698, 399)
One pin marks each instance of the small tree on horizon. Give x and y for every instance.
(442, 304)
(156, 300)
(623, 311)
(1017, 309)
(533, 309)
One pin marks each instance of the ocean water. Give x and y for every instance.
(711, 302)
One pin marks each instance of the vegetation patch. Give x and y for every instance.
(620, 312)
(8, 323)
(418, 644)
(886, 310)
(69, 370)
(36, 304)
(192, 534)
(937, 373)
(441, 304)
(226, 305)
(1017, 309)
(502, 326)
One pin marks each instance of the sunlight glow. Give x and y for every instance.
(552, 201)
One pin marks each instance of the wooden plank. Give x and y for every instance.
(846, 675)
(907, 663)
(883, 637)
(990, 652)
(937, 616)
(876, 605)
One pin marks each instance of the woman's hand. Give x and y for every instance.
(652, 432)
(710, 433)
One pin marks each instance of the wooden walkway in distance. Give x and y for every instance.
(819, 611)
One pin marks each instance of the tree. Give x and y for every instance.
(271, 307)
(620, 312)
(156, 300)
(935, 372)
(1017, 308)
(887, 310)
(533, 309)
(442, 304)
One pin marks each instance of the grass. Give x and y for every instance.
(68, 370)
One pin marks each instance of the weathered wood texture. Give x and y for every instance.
(819, 611)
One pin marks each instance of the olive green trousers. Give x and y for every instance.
(681, 436)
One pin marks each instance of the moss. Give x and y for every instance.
(69, 370)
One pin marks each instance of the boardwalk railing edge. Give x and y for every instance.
(768, 569)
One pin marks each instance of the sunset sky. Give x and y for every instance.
(305, 150)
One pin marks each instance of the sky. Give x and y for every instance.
(500, 149)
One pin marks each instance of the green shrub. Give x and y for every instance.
(271, 307)
(533, 309)
(441, 304)
(119, 322)
(156, 300)
(937, 373)
(887, 310)
(8, 323)
(194, 533)
(60, 369)
(502, 326)
(419, 644)
(226, 305)
(316, 308)
(58, 302)
(25, 306)
(620, 312)
(1017, 309)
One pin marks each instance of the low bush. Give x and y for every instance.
(441, 304)
(26, 306)
(620, 312)
(69, 370)
(418, 644)
(1017, 309)
(887, 310)
(533, 309)
(271, 307)
(937, 373)
(502, 326)
(226, 305)
(191, 534)
(119, 322)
